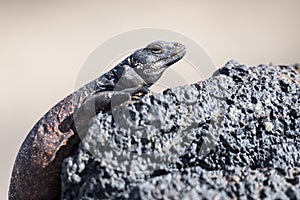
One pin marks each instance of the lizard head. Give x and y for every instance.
(150, 62)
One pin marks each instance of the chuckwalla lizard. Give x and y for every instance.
(36, 172)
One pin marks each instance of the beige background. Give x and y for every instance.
(44, 43)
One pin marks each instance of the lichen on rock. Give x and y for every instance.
(234, 135)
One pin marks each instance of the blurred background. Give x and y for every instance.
(43, 45)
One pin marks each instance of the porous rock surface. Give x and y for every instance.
(235, 135)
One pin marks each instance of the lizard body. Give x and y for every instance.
(36, 172)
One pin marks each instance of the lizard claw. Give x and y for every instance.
(142, 90)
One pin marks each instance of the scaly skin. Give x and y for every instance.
(36, 172)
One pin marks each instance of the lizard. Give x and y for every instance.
(36, 171)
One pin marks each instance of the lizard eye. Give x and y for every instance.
(134, 62)
(156, 49)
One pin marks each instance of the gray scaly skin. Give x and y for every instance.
(36, 172)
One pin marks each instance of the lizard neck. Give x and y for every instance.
(120, 77)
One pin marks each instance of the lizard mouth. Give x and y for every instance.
(164, 63)
(175, 57)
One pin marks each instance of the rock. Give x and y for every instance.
(235, 135)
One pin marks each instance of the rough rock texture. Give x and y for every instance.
(235, 135)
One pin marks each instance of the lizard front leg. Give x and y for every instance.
(103, 101)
